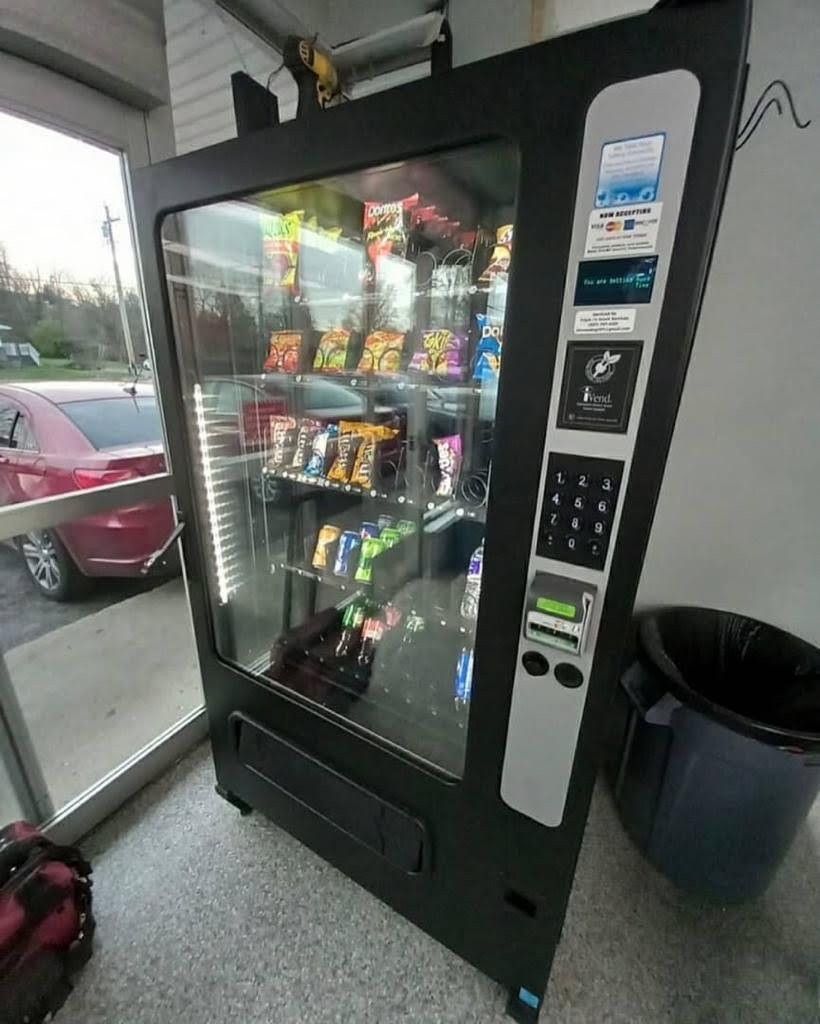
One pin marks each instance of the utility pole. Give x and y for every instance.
(108, 235)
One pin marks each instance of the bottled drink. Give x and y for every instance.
(372, 632)
(463, 684)
(351, 630)
(472, 591)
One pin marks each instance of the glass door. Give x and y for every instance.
(99, 681)
(342, 342)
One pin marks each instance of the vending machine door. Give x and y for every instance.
(420, 358)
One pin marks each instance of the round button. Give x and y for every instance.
(599, 528)
(572, 543)
(595, 548)
(607, 484)
(554, 499)
(568, 675)
(553, 519)
(536, 664)
(576, 524)
(582, 480)
(579, 502)
(602, 507)
(559, 477)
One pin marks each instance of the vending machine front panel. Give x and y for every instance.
(419, 358)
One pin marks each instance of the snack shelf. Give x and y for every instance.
(428, 506)
(402, 381)
(353, 587)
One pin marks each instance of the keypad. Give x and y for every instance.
(579, 503)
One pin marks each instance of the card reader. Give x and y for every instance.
(558, 612)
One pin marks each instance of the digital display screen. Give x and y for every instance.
(548, 604)
(615, 282)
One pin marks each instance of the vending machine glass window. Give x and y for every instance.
(341, 343)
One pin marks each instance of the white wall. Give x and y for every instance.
(737, 523)
(116, 46)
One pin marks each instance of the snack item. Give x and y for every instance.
(488, 350)
(384, 521)
(323, 451)
(386, 226)
(284, 352)
(368, 530)
(382, 352)
(463, 684)
(331, 355)
(390, 536)
(325, 542)
(449, 463)
(371, 548)
(306, 432)
(373, 437)
(348, 446)
(282, 441)
(280, 248)
(441, 352)
(349, 543)
(406, 527)
(472, 590)
(500, 256)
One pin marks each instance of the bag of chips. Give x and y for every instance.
(284, 352)
(306, 432)
(382, 352)
(375, 439)
(323, 451)
(488, 350)
(449, 464)
(441, 352)
(350, 437)
(500, 256)
(282, 441)
(280, 249)
(387, 226)
(331, 355)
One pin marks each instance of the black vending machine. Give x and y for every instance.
(420, 358)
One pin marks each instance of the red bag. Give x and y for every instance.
(46, 924)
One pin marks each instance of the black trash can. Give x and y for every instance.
(720, 761)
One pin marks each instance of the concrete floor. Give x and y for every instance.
(209, 918)
(86, 715)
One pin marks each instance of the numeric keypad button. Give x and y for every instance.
(579, 502)
(576, 524)
(583, 481)
(554, 499)
(599, 528)
(607, 484)
(603, 506)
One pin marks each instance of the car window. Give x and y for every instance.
(23, 437)
(323, 395)
(8, 414)
(116, 422)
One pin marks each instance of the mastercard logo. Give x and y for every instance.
(612, 225)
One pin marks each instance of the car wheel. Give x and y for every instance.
(50, 566)
(266, 488)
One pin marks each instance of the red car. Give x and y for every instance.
(58, 437)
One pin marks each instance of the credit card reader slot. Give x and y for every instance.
(558, 612)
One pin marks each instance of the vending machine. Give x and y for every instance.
(420, 357)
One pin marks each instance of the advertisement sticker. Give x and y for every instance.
(623, 231)
(630, 171)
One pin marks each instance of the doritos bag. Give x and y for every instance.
(46, 924)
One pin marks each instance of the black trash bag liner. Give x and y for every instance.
(747, 667)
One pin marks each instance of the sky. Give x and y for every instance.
(53, 188)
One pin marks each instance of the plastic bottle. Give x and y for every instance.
(472, 591)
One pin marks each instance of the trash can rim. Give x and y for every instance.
(655, 655)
